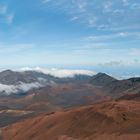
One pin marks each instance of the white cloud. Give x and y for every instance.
(14, 48)
(7, 89)
(134, 52)
(135, 6)
(107, 6)
(119, 28)
(107, 12)
(74, 18)
(22, 87)
(3, 9)
(26, 87)
(6, 15)
(136, 35)
(60, 72)
(121, 63)
(76, 9)
(46, 1)
(9, 18)
(81, 5)
(125, 2)
(92, 20)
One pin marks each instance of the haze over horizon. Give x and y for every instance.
(98, 35)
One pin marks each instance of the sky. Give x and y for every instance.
(101, 35)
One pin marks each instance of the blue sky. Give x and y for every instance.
(94, 34)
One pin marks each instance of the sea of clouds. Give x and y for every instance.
(60, 72)
(19, 88)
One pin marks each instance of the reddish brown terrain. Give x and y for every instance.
(99, 107)
(115, 120)
(56, 96)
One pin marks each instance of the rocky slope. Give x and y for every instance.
(116, 120)
(62, 93)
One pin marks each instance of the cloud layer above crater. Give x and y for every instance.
(20, 88)
(60, 72)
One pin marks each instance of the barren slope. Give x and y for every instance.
(116, 120)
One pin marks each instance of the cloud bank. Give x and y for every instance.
(60, 72)
(22, 87)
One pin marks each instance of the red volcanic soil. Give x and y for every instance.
(116, 120)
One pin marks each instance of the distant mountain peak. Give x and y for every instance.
(7, 71)
(102, 79)
(103, 74)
